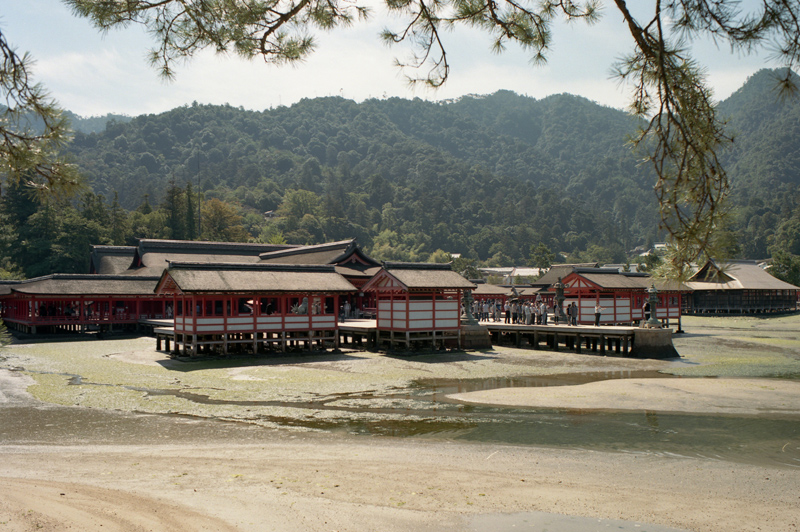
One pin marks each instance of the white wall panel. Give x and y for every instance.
(420, 305)
(446, 305)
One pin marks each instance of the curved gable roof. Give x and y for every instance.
(736, 275)
(111, 260)
(346, 255)
(152, 255)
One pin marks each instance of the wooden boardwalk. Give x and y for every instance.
(359, 332)
(614, 340)
(618, 340)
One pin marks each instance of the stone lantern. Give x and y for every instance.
(652, 298)
(559, 286)
(470, 319)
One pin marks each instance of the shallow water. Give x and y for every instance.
(762, 440)
(358, 395)
(423, 410)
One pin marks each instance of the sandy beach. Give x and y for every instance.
(95, 452)
(709, 396)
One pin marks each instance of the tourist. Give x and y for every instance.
(544, 313)
(527, 313)
(574, 314)
(597, 311)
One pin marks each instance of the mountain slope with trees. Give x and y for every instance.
(490, 177)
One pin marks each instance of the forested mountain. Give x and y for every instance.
(545, 142)
(457, 175)
(93, 124)
(489, 177)
(764, 164)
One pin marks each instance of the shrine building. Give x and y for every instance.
(224, 307)
(418, 304)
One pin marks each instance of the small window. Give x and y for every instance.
(299, 305)
(270, 306)
(245, 306)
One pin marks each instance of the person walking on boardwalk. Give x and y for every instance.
(597, 311)
(544, 313)
(574, 314)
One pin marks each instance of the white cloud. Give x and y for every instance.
(92, 74)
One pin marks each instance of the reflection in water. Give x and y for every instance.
(423, 411)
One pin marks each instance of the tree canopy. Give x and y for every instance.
(500, 179)
(682, 135)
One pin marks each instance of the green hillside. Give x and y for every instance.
(485, 176)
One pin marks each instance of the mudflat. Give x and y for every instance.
(112, 435)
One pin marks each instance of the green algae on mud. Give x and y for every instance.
(739, 347)
(356, 392)
(130, 375)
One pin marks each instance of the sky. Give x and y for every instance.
(92, 74)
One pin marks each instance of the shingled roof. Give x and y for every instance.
(252, 278)
(736, 275)
(6, 286)
(421, 276)
(346, 255)
(491, 290)
(153, 255)
(560, 270)
(111, 260)
(613, 279)
(66, 284)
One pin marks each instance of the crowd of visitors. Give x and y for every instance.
(513, 311)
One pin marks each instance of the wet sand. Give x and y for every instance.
(700, 396)
(66, 463)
